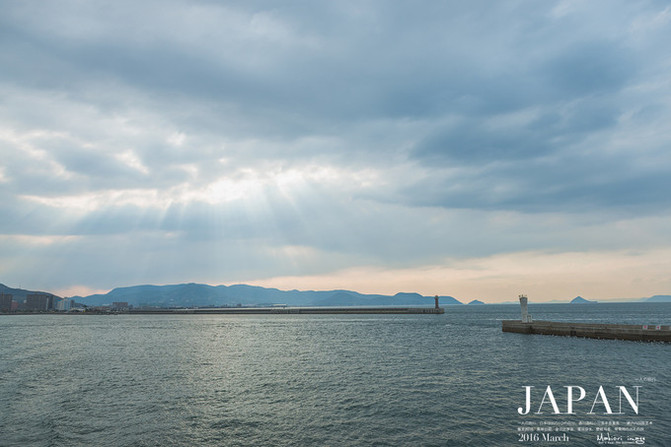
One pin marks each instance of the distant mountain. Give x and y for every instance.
(658, 299)
(194, 295)
(448, 300)
(476, 302)
(19, 295)
(348, 298)
(581, 300)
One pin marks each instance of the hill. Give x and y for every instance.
(19, 295)
(581, 300)
(659, 299)
(195, 295)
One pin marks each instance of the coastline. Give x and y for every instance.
(256, 311)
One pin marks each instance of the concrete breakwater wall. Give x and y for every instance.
(295, 310)
(590, 330)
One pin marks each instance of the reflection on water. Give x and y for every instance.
(452, 379)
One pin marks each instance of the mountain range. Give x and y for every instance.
(193, 295)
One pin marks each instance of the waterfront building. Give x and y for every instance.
(120, 306)
(63, 304)
(6, 302)
(39, 301)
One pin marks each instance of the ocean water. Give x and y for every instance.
(323, 380)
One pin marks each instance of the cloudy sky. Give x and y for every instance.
(477, 149)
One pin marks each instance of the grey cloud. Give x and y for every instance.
(589, 68)
(579, 181)
(367, 62)
(362, 65)
(554, 128)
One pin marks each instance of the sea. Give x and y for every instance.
(331, 380)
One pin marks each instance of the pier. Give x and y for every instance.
(637, 332)
(287, 310)
(294, 310)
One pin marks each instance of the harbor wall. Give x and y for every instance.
(591, 330)
(296, 310)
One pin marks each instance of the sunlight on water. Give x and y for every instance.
(452, 379)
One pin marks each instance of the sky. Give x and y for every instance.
(475, 149)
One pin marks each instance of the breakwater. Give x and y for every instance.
(636, 332)
(295, 310)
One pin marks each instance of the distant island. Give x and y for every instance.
(658, 299)
(195, 295)
(476, 302)
(581, 300)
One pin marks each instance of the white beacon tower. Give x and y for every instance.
(526, 318)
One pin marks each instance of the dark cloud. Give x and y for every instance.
(573, 182)
(589, 68)
(474, 140)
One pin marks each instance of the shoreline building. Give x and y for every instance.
(63, 304)
(120, 306)
(39, 302)
(6, 302)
